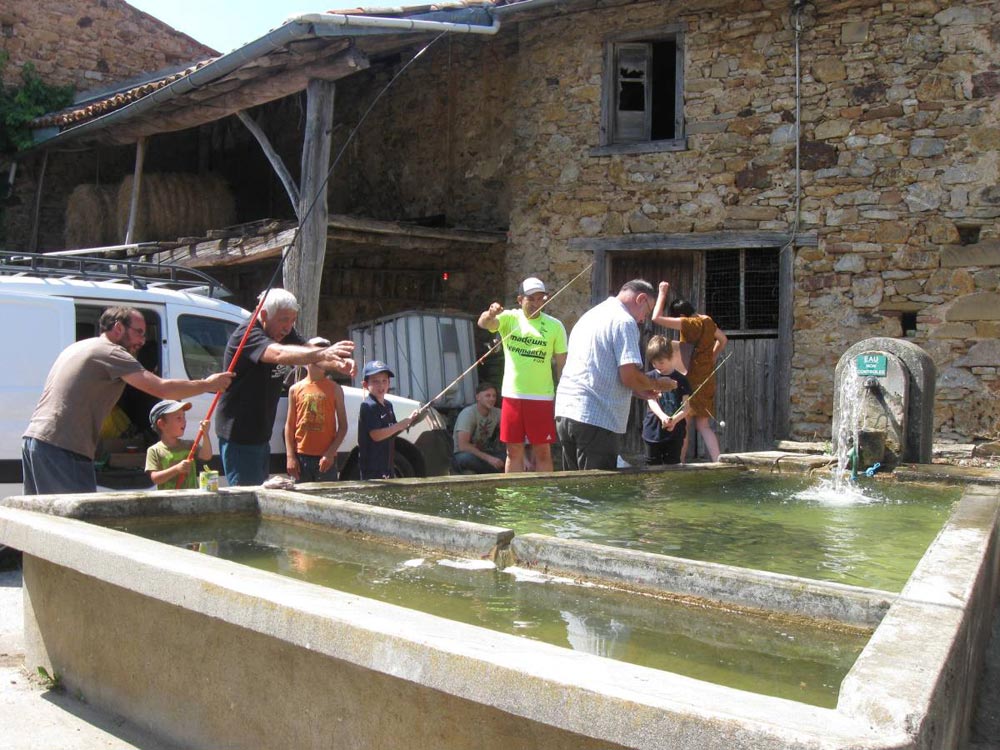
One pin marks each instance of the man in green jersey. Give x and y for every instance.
(533, 342)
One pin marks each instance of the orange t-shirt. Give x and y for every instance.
(315, 404)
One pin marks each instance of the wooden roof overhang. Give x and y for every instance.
(269, 241)
(277, 65)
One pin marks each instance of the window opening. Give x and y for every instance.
(741, 289)
(908, 322)
(203, 344)
(968, 235)
(642, 79)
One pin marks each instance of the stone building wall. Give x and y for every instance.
(900, 167)
(89, 43)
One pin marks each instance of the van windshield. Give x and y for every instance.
(203, 342)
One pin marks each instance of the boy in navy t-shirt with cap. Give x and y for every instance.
(377, 423)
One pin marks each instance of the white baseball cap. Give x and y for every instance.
(531, 285)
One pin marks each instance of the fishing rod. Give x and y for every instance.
(501, 340)
(724, 360)
(320, 191)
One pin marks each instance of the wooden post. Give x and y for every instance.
(33, 244)
(133, 209)
(303, 269)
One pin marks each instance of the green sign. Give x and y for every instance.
(871, 364)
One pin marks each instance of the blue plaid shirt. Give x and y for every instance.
(590, 390)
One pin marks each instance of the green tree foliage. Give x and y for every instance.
(19, 105)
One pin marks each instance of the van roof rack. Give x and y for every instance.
(140, 274)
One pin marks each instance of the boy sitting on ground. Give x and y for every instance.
(167, 461)
(665, 427)
(316, 424)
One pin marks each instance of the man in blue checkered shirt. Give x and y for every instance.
(603, 371)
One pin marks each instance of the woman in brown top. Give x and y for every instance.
(708, 342)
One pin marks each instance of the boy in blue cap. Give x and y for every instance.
(377, 423)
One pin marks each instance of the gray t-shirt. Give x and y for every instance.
(483, 431)
(80, 391)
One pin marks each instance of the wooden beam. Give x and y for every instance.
(190, 113)
(229, 251)
(375, 226)
(273, 157)
(133, 206)
(785, 347)
(303, 269)
(692, 241)
(37, 212)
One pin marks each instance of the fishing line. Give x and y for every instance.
(502, 339)
(295, 236)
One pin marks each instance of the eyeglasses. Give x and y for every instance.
(140, 331)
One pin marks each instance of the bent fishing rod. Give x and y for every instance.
(320, 191)
(724, 360)
(501, 340)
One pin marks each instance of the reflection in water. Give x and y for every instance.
(766, 655)
(595, 636)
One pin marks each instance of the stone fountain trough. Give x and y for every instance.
(209, 653)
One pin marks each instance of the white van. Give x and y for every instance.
(187, 335)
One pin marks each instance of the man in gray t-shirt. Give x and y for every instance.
(85, 382)
(477, 435)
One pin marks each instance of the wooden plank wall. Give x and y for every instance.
(745, 395)
(744, 400)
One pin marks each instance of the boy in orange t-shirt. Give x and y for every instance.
(316, 425)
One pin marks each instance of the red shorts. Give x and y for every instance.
(522, 418)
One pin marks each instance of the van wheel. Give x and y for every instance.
(350, 472)
(401, 466)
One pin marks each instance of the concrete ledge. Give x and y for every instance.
(456, 537)
(753, 589)
(946, 473)
(778, 461)
(918, 672)
(247, 658)
(124, 504)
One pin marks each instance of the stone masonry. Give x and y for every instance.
(899, 172)
(89, 44)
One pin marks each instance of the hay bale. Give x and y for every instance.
(173, 205)
(89, 217)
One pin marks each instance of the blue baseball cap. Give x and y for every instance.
(165, 407)
(374, 368)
